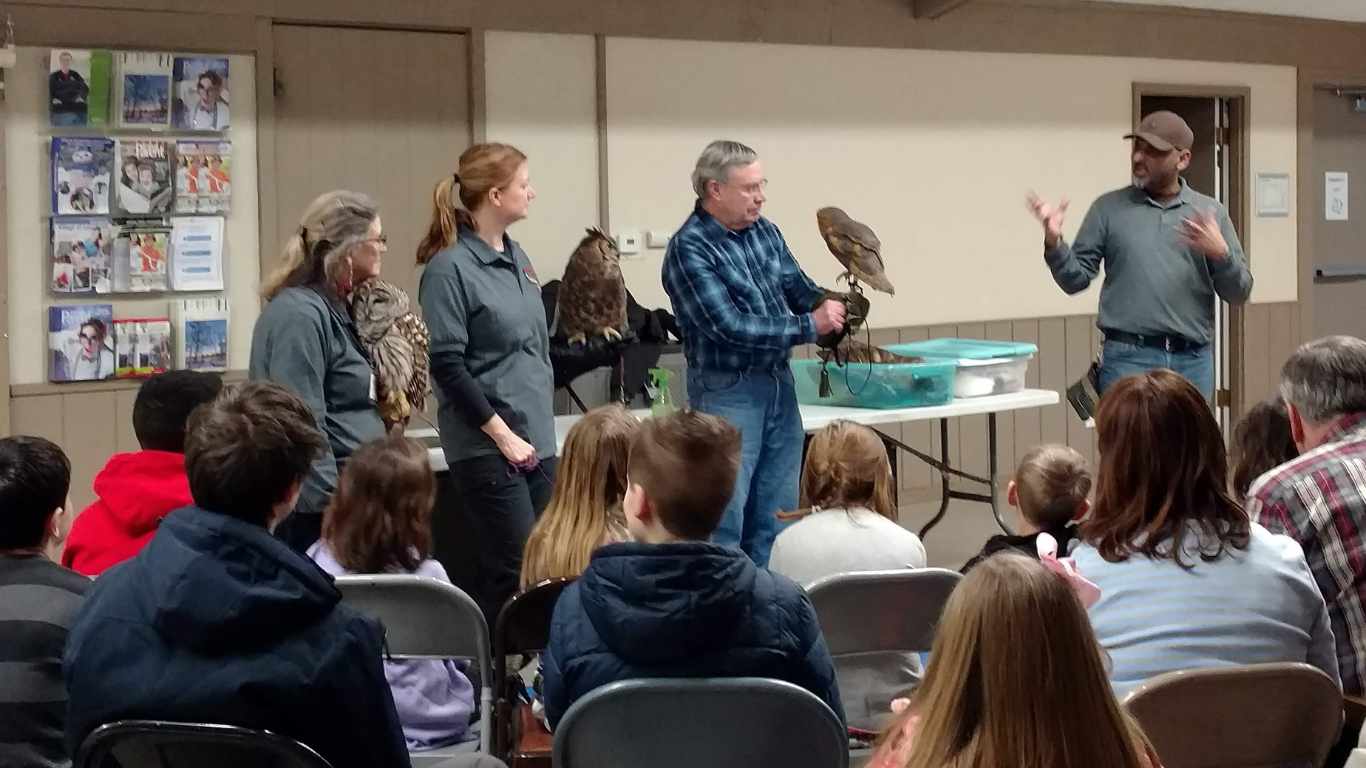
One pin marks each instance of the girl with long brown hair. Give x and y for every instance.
(585, 508)
(849, 523)
(490, 356)
(1187, 580)
(1015, 680)
(379, 521)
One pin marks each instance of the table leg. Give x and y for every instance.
(992, 463)
(943, 478)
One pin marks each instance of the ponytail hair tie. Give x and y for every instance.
(455, 179)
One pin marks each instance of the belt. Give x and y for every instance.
(1168, 343)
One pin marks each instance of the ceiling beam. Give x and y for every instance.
(933, 9)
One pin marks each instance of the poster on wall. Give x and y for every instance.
(81, 171)
(144, 98)
(80, 342)
(203, 177)
(144, 177)
(1335, 196)
(81, 255)
(201, 93)
(144, 346)
(78, 87)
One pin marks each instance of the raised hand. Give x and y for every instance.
(1049, 215)
(1201, 232)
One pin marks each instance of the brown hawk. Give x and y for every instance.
(856, 247)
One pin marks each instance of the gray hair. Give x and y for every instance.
(716, 162)
(333, 224)
(1326, 378)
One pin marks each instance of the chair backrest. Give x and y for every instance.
(716, 722)
(523, 626)
(159, 744)
(427, 618)
(881, 610)
(1240, 717)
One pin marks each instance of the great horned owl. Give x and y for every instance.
(592, 299)
(856, 247)
(397, 341)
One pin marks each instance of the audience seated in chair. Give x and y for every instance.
(217, 621)
(848, 520)
(848, 524)
(1319, 499)
(379, 521)
(1049, 490)
(136, 490)
(584, 511)
(1187, 580)
(1015, 679)
(671, 604)
(39, 604)
(1261, 442)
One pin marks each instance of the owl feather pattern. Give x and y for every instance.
(592, 299)
(397, 342)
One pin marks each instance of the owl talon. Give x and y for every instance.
(578, 338)
(611, 334)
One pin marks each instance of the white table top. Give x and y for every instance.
(815, 417)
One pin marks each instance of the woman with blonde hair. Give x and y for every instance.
(585, 508)
(1015, 680)
(481, 300)
(849, 523)
(305, 340)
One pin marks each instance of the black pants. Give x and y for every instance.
(503, 504)
(300, 530)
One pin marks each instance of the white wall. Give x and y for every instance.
(28, 183)
(934, 150)
(551, 115)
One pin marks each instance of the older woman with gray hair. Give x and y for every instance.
(1319, 499)
(742, 304)
(305, 339)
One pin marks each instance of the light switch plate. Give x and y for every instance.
(628, 243)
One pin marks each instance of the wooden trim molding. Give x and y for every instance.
(84, 387)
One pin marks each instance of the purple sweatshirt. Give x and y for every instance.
(434, 700)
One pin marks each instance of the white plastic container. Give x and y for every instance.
(997, 376)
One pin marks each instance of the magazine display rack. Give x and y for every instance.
(141, 171)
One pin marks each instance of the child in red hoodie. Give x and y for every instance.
(137, 489)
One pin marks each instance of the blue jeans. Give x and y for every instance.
(1119, 359)
(763, 406)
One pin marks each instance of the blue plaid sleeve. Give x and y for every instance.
(701, 300)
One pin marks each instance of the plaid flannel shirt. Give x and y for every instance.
(741, 300)
(1319, 499)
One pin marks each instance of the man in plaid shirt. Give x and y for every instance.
(1319, 499)
(742, 303)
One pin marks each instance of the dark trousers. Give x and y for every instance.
(503, 504)
(300, 530)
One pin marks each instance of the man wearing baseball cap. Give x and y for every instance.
(1168, 252)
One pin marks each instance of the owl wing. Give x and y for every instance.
(414, 331)
(573, 307)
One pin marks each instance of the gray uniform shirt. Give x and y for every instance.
(490, 346)
(1155, 284)
(306, 343)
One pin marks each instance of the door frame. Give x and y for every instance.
(1239, 206)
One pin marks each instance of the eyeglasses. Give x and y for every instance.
(382, 240)
(753, 189)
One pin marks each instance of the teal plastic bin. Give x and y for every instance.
(885, 385)
(984, 367)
